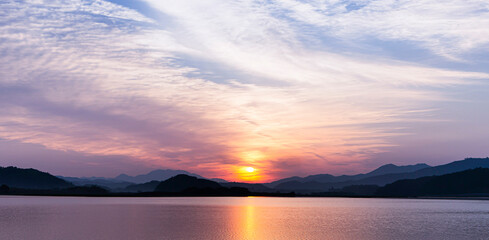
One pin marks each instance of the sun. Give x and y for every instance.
(248, 174)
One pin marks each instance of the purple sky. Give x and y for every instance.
(99, 88)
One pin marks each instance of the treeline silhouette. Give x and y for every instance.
(180, 185)
(71, 191)
(472, 182)
(30, 179)
(469, 183)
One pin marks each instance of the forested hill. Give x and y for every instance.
(30, 179)
(473, 182)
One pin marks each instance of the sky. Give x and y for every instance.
(288, 87)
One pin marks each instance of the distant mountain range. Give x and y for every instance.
(156, 175)
(141, 187)
(381, 176)
(174, 181)
(327, 178)
(108, 183)
(151, 186)
(123, 181)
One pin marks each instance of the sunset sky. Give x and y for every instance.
(288, 87)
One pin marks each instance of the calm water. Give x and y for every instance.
(241, 218)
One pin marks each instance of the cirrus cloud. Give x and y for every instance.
(98, 78)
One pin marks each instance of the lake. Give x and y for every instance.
(70, 218)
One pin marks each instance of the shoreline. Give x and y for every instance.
(152, 195)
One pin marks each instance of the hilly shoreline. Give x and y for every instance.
(466, 178)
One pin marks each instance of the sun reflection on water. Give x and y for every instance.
(250, 222)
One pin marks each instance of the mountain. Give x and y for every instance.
(303, 187)
(327, 178)
(391, 169)
(219, 180)
(151, 186)
(184, 182)
(156, 175)
(468, 182)
(381, 180)
(284, 180)
(143, 187)
(102, 182)
(457, 166)
(382, 170)
(30, 179)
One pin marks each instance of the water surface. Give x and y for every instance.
(241, 218)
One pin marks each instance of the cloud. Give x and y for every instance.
(100, 79)
(67, 163)
(449, 29)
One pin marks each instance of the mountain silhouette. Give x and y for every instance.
(474, 181)
(156, 175)
(274, 184)
(183, 182)
(457, 166)
(218, 180)
(391, 169)
(111, 184)
(143, 187)
(304, 187)
(378, 176)
(328, 178)
(15, 180)
(14, 177)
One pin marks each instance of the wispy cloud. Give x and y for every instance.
(450, 28)
(99, 78)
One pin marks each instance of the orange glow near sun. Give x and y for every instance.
(248, 174)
